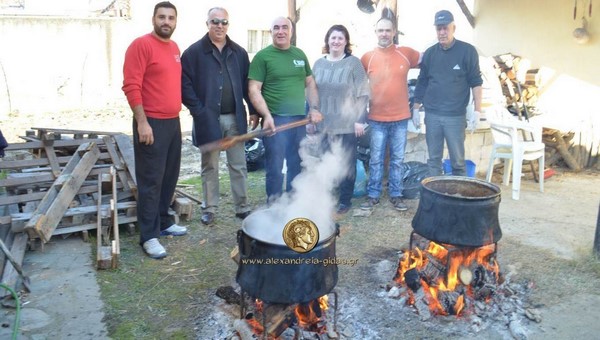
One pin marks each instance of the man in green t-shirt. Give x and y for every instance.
(278, 77)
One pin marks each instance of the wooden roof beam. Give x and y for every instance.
(466, 12)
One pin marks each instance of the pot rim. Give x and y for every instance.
(285, 246)
(324, 234)
(496, 190)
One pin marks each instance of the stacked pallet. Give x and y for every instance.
(63, 181)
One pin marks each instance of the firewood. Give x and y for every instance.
(228, 294)
(235, 254)
(421, 304)
(564, 152)
(465, 275)
(279, 318)
(448, 300)
(244, 330)
(433, 270)
(412, 279)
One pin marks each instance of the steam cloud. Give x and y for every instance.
(312, 196)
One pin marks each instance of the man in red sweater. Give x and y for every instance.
(152, 85)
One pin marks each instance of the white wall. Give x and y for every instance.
(541, 31)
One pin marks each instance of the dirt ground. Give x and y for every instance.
(546, 246)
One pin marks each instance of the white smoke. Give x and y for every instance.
(312, 197)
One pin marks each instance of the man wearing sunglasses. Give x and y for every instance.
(214, 87)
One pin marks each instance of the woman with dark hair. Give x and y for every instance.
(343, 96)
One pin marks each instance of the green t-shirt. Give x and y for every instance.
(283, 74)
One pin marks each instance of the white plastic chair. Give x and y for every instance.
(510, 145)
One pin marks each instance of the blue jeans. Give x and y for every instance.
(279, 147)
(382, 134)
(451, 129)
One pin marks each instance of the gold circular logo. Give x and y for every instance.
(301, 235)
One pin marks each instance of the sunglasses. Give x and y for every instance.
(216, 22)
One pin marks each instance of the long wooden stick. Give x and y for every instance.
(227, 142)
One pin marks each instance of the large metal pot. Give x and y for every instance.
(457, 210)
(269, 270)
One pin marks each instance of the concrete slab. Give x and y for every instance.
(65, 298)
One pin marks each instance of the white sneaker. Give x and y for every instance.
(174, 230)
(154, 249)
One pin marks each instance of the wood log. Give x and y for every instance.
(103, 253)
(597, 236)
(244, 330)
(229, 294)
(448, 300)
(184, 208)
(185, 194)
(58, 143)
(433, 270)
(279, 318)
(422, 305)
(10, 275)
(115, 218)
(562, 148)
(465, 275)
(235, 254)
(532, 77)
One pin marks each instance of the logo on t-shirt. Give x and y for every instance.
(456, 67)
(299, 63)
(177, 59)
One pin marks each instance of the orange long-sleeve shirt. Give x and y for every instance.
(387, 69)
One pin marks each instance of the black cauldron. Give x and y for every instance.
(284, 276)
(460, 211)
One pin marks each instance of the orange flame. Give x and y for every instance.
(450, 282)
(307, 316)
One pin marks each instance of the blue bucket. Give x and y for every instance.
(469, 167)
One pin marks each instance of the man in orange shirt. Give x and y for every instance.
(387, 67)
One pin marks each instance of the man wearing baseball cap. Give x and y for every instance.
(449, 74)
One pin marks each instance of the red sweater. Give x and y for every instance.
(152, 76)
(387, 69)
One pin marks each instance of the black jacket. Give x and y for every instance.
(201, 86)
(3, 144)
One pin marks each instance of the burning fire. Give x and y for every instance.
(449, 276)
(308, 316)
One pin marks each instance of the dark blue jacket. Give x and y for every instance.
(3, 144)
(446, 78)
(202, 83)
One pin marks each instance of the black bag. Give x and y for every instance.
(414, 173)
(255, 154)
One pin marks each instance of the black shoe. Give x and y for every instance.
(342, 209)
(243, 215)
(369, 203)
(398, 204)
(208, 218)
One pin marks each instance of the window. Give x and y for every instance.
(257, 40)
